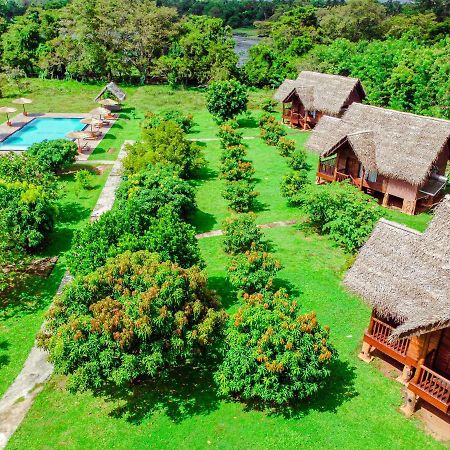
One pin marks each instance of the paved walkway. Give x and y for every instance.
(282, 223)
(19, 397)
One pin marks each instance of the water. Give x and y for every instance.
(243, 44)
(38, 130)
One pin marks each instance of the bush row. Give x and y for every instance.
(236, 170)
(273, 353)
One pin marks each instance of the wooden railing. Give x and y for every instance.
(381, 332)
(343, 176)
(432, 387)
(326, 169)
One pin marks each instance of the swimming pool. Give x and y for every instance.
(40, 129)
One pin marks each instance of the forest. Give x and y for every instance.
(400, 51)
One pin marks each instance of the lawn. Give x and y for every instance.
(21, 313)
(359, 407)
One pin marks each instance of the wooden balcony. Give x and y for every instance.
(378, 336)
(432, 387)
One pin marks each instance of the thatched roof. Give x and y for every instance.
(405, 275)
(114, 90)
(320, 91)
(402, 145)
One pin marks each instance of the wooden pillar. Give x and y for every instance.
(386, 199)
(409, 206)
(409, 407)
(336, 166)
(364, 354)
(406, 375)
(362, 179)
(283, 113)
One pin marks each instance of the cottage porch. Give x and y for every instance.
(431, 379)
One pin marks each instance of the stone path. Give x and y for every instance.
(19, 397)
(218, 139)
(282, 223)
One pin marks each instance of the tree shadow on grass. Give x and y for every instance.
(223, 287)
(4, 358)
(339, 388)
(31, 295)
(183, 393)
(202, 221)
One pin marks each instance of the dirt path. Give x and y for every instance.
(19, 397)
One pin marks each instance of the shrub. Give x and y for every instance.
(164, 144)
(146, 216)
(271, 130)
(149, 190)
(226, 99)
(297, 160)
(253, 271)
(235, 170)
(28, 213)
(229, 136)
(292, 185)
(269, 105)
(172, 239)
(241, 234)
(274, 353)
(342, 211)
(184, 121)
(233, 152)
(83, 179)
(135, 317)
(240, 195)
(55, 155)
(286, 146)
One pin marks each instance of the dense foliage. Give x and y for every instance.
(271, 129)
(226, 99)
(253, 271)
(342, 211)
(241, 234)
(135, 317)
(274, 353)
(55, 155)
(164, 143)
(148, 214)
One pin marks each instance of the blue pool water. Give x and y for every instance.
(38, 130)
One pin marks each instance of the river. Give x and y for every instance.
(243, 44)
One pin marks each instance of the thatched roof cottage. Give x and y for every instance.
(114, 90)
(313, 94)
(404, 275)
(397, 156)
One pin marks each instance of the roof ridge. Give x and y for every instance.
(437, 119)
(400, 227)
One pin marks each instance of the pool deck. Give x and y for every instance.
(20, 120)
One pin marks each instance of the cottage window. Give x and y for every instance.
(372, 176)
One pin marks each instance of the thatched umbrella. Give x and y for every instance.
(108, 102)
(77, 135)
(7, 110)
(23, 101)
(100, 112)
(91, 121)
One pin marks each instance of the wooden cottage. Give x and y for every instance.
(314, 94)
(399, 157)
(405, 276)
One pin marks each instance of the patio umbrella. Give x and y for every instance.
(91, 121)
(100, 112)
(77, 135)
(108, 102)
(23, 101)
(7, 110)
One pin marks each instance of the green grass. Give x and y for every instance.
(21, 313)
(357, 410)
